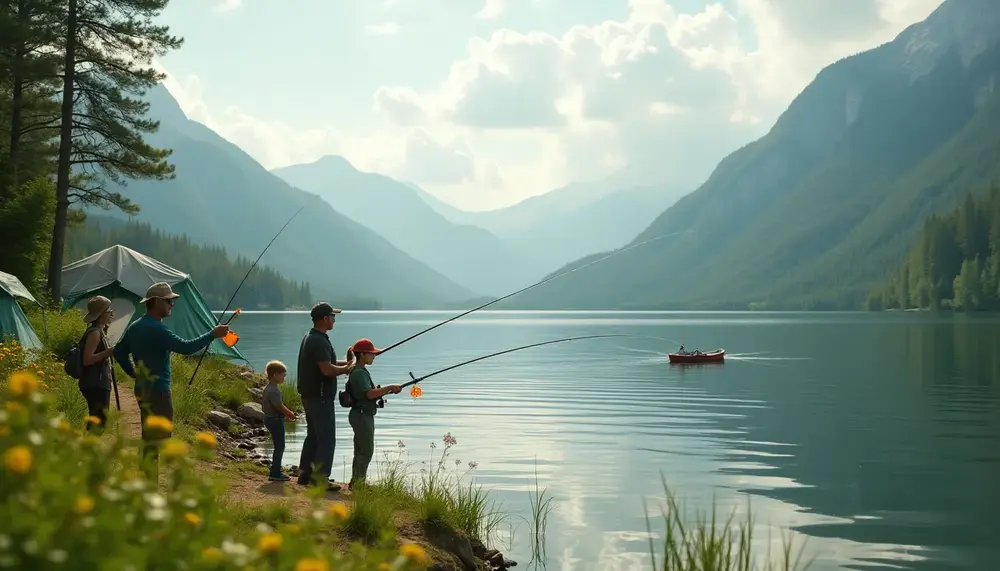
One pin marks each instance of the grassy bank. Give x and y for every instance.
(75, 494)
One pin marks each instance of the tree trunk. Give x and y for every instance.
(17, 94)
(65, 154)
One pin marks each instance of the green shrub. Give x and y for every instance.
(73, 500)
(59, 332)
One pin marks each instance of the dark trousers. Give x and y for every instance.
(153, 403)
(316, 461)
(98, 402)
(276, 426)
(364, 444)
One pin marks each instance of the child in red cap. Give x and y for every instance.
(362, 415)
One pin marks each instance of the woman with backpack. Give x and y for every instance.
(95, 352)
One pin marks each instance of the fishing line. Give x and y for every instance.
(237, 312)
(416, 380)
(548, 279)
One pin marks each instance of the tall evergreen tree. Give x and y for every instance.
(108, 50)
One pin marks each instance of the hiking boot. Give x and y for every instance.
(279, 478)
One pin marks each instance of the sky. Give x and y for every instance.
(484, 103)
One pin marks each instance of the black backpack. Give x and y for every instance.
(74, 363)
(346, 397)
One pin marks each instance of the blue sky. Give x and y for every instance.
(485, 107)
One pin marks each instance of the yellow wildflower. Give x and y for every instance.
(206, 439)
(312, 564)
(92, 420)
(384, 566)
(83, 505)
(23, 384)
(414, 552)
(269, 543)
(339, 510)
(211, 554)
(175, 448)
(160, 424)
(14, 407)
(192, 519)
(65, 426)
(17, 460)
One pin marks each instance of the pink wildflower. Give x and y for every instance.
(449, 440)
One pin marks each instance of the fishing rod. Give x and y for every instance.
(524, 289)
(505, 351)
(237, 312)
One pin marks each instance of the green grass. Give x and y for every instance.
(707, 544)
(370, 518)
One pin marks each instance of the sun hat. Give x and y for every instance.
(96, 306)
(159, 290)
(365, 346)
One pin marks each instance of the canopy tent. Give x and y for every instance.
(123, 276)
(13, 322)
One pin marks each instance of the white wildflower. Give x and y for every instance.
(190, 503)
(134, 485)
(57, 556)
(264, 528)
(55, 422)
(88, 522)
(31, 547)
(157, 514)
(155, 500)
(112, 495)
(35, 438)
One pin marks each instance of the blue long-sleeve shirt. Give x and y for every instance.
(148, 341)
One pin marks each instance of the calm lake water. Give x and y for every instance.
(875, 437)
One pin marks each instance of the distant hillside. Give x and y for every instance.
(815, 213)
(551, 229)
(216, 275)
(222, 196)
(955, 263)
(469, 255)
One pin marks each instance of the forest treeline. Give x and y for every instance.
(955, 263)
(73, 123)
(216, 276)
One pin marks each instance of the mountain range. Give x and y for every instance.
(825, 205)
(490, 252)
(221, 196)
(809, 216)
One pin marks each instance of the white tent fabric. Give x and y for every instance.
(14, 287)
(134, 271)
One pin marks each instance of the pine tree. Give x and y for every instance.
(107, 52)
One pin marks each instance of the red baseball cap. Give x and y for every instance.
(365, 346)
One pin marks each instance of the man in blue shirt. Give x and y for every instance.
(148, 341)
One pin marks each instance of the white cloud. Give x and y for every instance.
(491, 10)
(227, 5)
(383, 29)
(521, 112)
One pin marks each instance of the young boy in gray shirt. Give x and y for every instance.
(275, 414)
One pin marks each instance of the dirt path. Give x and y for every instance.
(244, 485)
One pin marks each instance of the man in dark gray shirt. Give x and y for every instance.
(318, 369)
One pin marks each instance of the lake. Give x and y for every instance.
(875, 437)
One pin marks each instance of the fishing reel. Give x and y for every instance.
(380, 403)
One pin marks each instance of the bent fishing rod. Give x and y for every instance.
(252, 266)
(416, 380)
(524, 289)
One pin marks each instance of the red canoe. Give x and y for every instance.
(716, 356)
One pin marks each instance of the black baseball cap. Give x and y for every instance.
(321, 310)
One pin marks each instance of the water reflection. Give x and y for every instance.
(875, 435)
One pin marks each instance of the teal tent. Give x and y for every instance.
(13, 322)
(123, 276)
